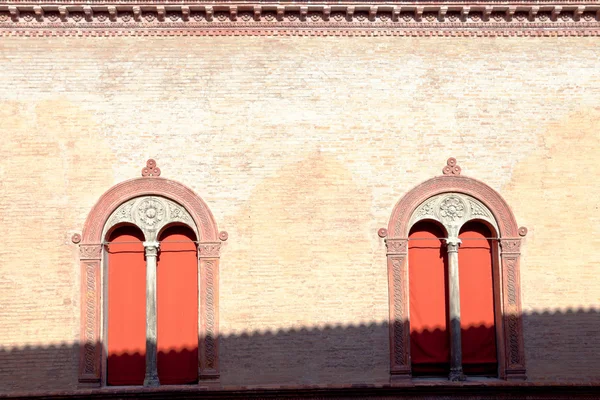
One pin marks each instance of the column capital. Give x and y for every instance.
(152, 248)
(396, 246)
(452, 244)
(209, 249)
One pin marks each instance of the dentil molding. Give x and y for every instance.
(245, 18)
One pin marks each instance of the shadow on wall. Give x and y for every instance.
(561, 347)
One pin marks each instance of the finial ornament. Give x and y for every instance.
(451, 167)
(151, 169)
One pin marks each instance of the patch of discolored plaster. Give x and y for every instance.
(555, 192)
(302, 261)
(55, 165)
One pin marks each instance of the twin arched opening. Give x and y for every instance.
(453, 251)
(149, 257)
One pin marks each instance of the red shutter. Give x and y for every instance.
(177, 307)
(126, 307)
(477, 300)
(429, 341)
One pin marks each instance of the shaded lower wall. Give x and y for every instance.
(335, 356)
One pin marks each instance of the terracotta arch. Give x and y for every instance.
(513, 366)
(91, 255)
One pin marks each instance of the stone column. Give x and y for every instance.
(456, 371)
(151, 378)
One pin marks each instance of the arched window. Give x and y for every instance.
(453, 258)
(149, 252)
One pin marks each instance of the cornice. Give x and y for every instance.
(491, 18)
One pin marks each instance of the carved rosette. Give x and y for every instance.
(453, 210)
(150, 214)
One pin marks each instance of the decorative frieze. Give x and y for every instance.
(364, 19)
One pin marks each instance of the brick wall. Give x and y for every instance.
(301, 147)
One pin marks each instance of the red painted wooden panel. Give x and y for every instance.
(477, 300)
(126, 307)
(427, 267)
(177, 308)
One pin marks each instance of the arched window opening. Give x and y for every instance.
(477, 309)
(482, 295)
(126, 307)
(149, 256)
(428, 272)
(177, 306)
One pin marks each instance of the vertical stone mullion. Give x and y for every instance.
(151, 252)
(456, 370)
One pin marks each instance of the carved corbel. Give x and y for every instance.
(372, 13)
(396, 13)
(160, 13)
(419, 13)
(577, 13)
(89, 13)
(280, 13)
(137, 13)
(209, 13)
(257, 12)
(64, 13)
(442, 13)
(533, 12)
(303, 13)
(112, 13)
(510, 12)
(233, 12)
(464, 13)
(349, 13)
(555, 13)
(185, 13)
(39, 13)
(487, 11)
(14, 13)
(326, 13)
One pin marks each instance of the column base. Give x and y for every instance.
(151, 381)
(456, 375)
